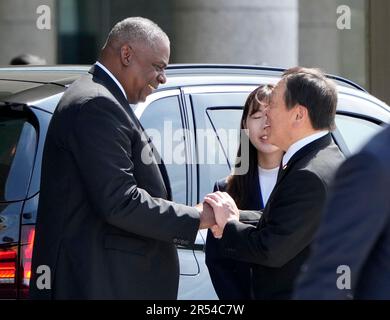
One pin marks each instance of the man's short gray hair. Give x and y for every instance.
(136, 30)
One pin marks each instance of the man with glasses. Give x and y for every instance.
(106, 227)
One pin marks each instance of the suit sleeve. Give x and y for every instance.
(288, 227)
(246, 216)
(102, 142)
(250, 217)
(355, 216)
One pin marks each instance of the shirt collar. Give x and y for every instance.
(295, 147)
(112, 77)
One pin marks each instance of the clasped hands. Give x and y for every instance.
(217, 209)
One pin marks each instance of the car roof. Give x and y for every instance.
(24, 84)
(66, 74)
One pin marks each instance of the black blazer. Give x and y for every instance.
(355, 230)
(103, 226)
(280, 243)
(231, 278)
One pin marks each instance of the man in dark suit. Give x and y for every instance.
(105, 227)
(351, 251)
(300, 116)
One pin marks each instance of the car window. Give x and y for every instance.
(17, 152)
(217, 117)
(227, 119)
(162, 122)
(356, 132)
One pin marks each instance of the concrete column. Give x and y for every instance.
(379, 61)
(263, 32)
(322, 44)
(318, 39)
(19, 33)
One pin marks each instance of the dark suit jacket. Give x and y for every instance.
(280, 243)
(355, 230)
(103, 226)
(231, 278)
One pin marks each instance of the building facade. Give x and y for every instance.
(343, 37)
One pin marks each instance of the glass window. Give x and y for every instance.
(162, 122)
(17, 152)
(226, 123)
(356, 132)
(217, 118)
(217, 148)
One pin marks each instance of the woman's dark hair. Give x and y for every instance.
(238, 185)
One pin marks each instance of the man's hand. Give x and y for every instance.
(224, 208)
(217, 231)
(207, 219)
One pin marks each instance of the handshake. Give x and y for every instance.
(217, 209)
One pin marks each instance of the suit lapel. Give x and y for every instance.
(284, 170)
(100, 76)
(309, 148)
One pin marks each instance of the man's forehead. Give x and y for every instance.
(281, 84)
(279, 88)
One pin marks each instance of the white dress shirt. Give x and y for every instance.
(112, 77)
(267, 179)
(295, 147)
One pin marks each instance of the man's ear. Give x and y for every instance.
(300, 114)
(126, 55)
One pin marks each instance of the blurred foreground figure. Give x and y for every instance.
(351, 254)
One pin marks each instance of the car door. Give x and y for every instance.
(166, 123)
(18, 144)
(358, 119)
(214, 114)
(217, 112)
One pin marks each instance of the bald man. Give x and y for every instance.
(105, 226)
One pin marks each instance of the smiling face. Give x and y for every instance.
(146, 70)
(255, 122)
(280, 120)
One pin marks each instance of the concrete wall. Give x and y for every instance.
(379, 62)
(323, 44)
(19, 33)
(263, 32)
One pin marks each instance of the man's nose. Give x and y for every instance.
(162, 78)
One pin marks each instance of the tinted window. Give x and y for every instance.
(217, 117)
(356, 132)
(226, 123)
(162, 122)
(17, 152)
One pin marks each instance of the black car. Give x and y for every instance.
(198, 101)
